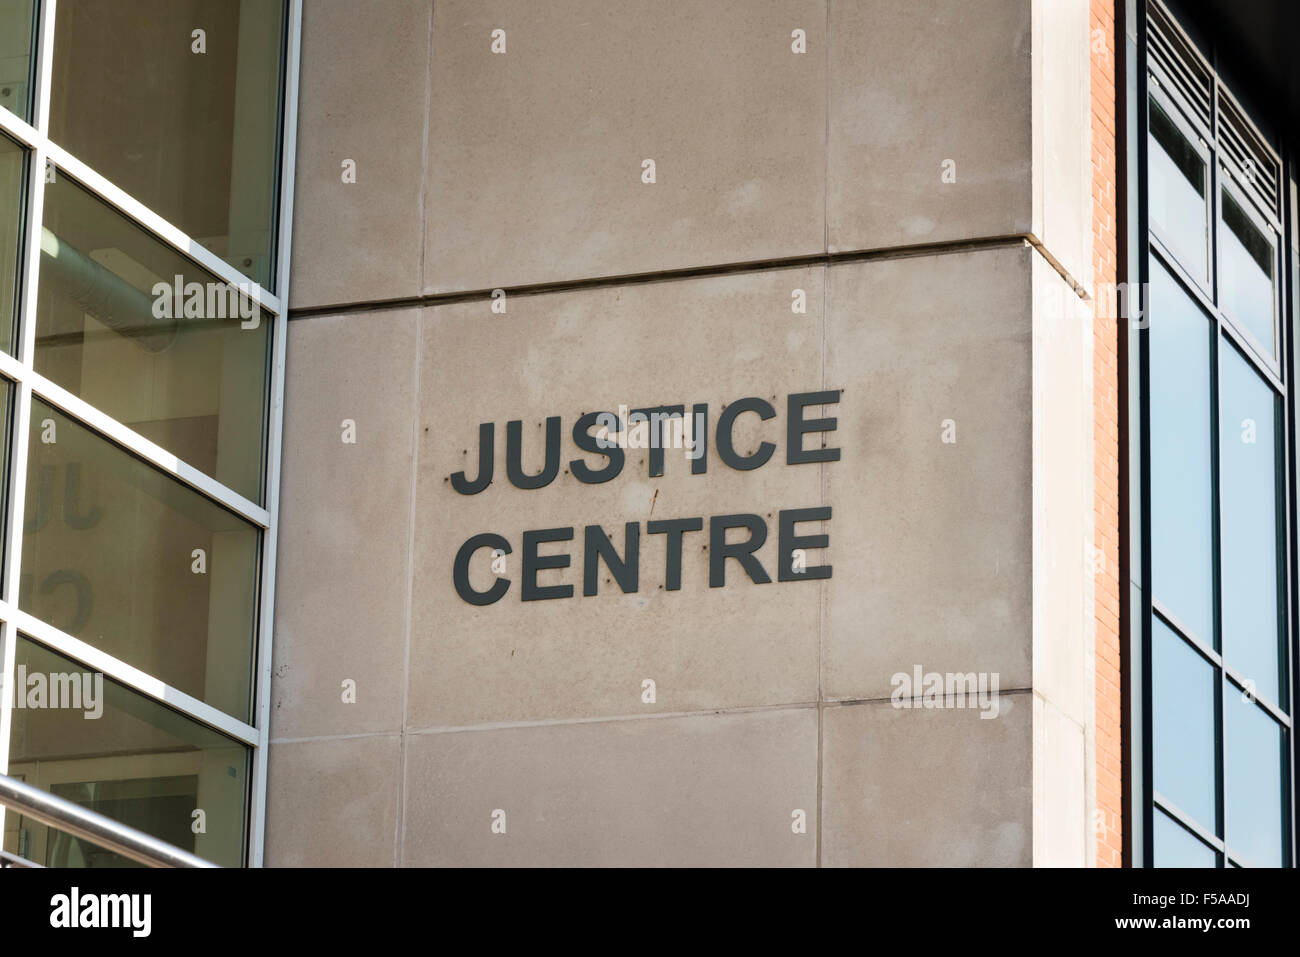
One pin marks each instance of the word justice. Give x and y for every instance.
(653, 429)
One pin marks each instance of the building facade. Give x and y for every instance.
(802, 433)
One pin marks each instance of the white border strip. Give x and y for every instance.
(22, 390)
(289, 149)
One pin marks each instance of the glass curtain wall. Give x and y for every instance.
(1219, 631)
(143, 157)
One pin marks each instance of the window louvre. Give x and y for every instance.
(1180, 64)
(1249, 159)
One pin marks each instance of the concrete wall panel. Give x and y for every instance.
(937, 787)
(932, 558)
(342, 571)
(362, 97)
(742, 645)
(333, 802)
(913, 87)
(701, 791)
(535, 154)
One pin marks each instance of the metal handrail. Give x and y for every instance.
(13, 860)
(92, 826)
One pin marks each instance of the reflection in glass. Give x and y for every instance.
(187, 371)
(201, 124)
(1252, 771)
(1246, 274)
(124, 557)
(1184, 733)
(1181, 507)
(1175, 846)
(13, 165)
(1176, 192)
(1249, 493)
(116, 752)
(16, 20)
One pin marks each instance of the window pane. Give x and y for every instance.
(1176, 192)
(1246, 274)
(1252, 638)
(7, 390)
(16, 56)
(12, 189)
(1175, 846)
(1252, 770)
(129, 560)
(92, 741)
(200, 113)
(1181, 507)
(1184, 734)
(174, 368)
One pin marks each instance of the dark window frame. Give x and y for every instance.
(1140, 609)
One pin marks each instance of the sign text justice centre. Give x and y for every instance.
(652, 429)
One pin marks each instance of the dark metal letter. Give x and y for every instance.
(727, 451)
(458, 481)
(514, 455)
(596, 545)
(533, 563)
(787, 541)
(796, 425)
(460, 571)
(743, 552)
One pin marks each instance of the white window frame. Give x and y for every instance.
(26, 383)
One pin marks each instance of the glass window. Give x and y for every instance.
(1249, 493)
(1176, 192)
(1182, 513)
(1246, 274)
(122, 556)
(1178, 847)
(1185, 733)
(16, 23)
(6, 409)
(178, 105)
(1218, 440)
(13, 166)
(1254, 800)
(194, 89)
(139, 331)
(92, 741)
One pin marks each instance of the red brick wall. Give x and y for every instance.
(1109, 819)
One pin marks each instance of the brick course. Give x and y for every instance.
(1109, 704)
